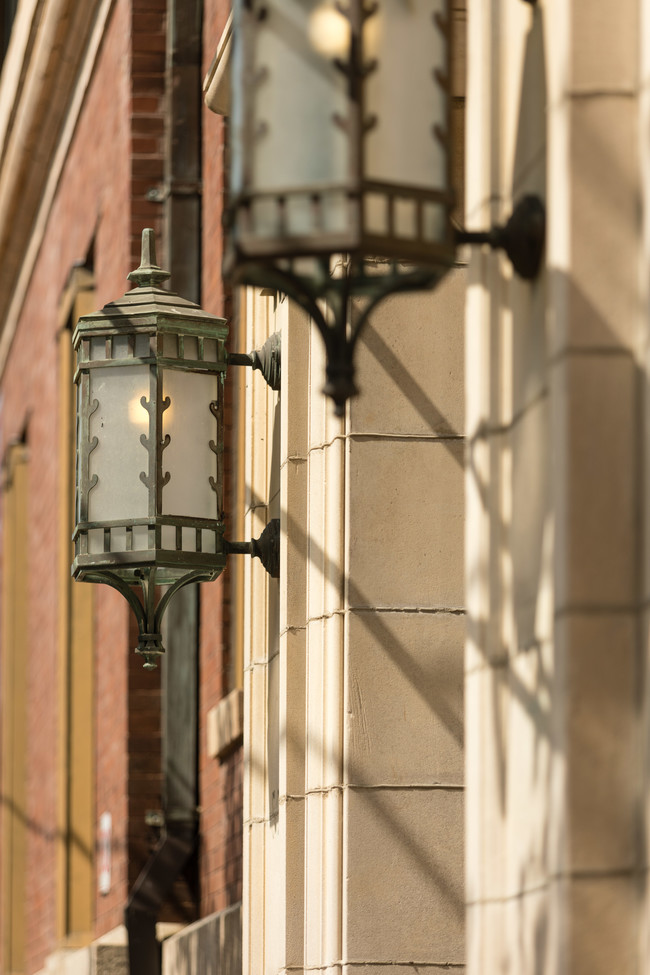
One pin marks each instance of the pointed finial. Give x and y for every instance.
(148, 274)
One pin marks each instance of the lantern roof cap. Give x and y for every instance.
(148, 304)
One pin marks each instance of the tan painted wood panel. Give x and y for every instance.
(14, 724)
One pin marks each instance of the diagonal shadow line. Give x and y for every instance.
(416, 395)
(50, 835)
(421, 853)
(415, 674)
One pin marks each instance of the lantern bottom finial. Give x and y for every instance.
(148, 613)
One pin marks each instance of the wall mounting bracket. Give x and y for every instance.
(266, 548)
(521, 236)
(267, 359)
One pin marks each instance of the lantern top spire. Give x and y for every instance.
(149, 274)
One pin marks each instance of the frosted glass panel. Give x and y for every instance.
(118, 422)
(404, 94)
(140, 538)
(210, 350)
(405, 218)
(168, 537)
(208, 541)
(118, 539)
(434, 221)
(294, 141)
(188, 458)
(189, 540)
(190, 347)
(120, 346)
(98, 348)
(142, 346)
(170, 345)
(96, 541)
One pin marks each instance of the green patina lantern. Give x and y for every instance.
(149, 500)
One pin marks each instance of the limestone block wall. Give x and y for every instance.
(556, 857)
(353, 802)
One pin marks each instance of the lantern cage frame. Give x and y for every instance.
(340, 278)
(152, 320)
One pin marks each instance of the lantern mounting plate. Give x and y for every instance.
(266, 548)
(521, 236)
(267, 359)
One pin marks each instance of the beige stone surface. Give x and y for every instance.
(211, 946)
(403, 870)
(485, 925)
(529, 358)
(295, 328)
(333, 526)
(331, 731)
(644, 756)
(604, 224)
(314, 881)
(603, 930)
(256, 799)
(536, 930)
(404, 969)
(481, 586)
(595, 471)
(291, 914)
(477, 345)
(528, 564)
(602, 740)
(522, 116)
(523, 934)
(404, 703)
(274, 739)
(294, 544)
(534, 781)
(409, 363)
(324, 701)
(225, 723)
(275, 895)
(315, 704)
(486, 777)
(293, 655)
(605, 49)
(406, 506)
(317, 557)
(255, 881)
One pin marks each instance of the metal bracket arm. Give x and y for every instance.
(267, 360)
(521, 237)
(266, 548)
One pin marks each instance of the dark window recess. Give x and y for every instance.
(6, 23)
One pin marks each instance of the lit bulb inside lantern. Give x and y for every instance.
(138, 415)
(329, 31)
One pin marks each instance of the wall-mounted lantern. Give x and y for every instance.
(149, 501)
(341, 161)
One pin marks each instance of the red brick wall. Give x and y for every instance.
(93, 193)
(220, 782)
(115, 159)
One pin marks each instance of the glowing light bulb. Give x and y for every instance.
(329, 31)
(138, 415)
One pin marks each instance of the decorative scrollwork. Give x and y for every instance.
(87, 447)
(147, 442)
(216, 408)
